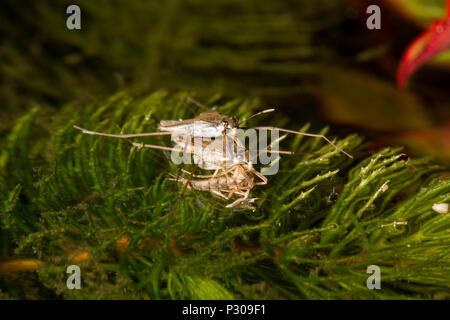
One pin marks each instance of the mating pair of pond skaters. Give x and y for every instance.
(233, 171)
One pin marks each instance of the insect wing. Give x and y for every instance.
(193, 127)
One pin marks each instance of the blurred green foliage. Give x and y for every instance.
(144, 45)
(422, 12)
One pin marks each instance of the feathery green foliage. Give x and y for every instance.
(70, 198)
(273, 47)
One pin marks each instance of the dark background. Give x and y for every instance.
(313, 60)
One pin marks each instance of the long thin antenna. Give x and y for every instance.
(198, 104)
(256, 114)
(174, 209)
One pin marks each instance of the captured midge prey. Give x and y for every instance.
(239, 183)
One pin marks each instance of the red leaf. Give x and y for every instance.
(424, 47)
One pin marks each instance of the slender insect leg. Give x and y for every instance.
(211, 175)
(247, 198)
(235, 203)
(220, 194)
(246, 176)
(128, 136)
(308, 135)
(153, 146)
(122, 136)
(175, 186)
(240, 200)
(237, 191)
(231, 193)
(180, 196)
(255, 115)
(274, 151)
(180, 168)
(261, 176)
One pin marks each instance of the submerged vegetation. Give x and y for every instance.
(68, 198)
(100, 203)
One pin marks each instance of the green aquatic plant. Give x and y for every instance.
(102, 204)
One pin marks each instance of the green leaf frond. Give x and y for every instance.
(98, 202)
